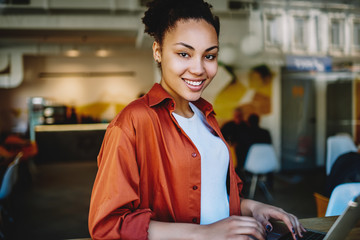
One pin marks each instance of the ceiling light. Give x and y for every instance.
(73, 52)
(102, 52)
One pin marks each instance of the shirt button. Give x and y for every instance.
(172, 104)
(194, 154)
(194, 220)
(195, 187)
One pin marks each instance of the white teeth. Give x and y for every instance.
(194, 83)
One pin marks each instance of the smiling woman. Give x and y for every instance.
(165, 171)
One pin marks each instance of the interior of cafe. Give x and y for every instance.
(67, 68)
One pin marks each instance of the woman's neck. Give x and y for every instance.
(182, 106)
(183, 109)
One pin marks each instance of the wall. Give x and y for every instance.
(80, 91)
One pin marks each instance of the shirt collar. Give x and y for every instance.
(157, 95)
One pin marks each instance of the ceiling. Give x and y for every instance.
(67, 22)
(50, 36)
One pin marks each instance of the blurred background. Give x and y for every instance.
(67, 67)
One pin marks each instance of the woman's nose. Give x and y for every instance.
(197, 66)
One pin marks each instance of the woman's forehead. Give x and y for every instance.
(192, 30)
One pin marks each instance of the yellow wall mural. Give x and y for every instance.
(101, 111)
(252, 94)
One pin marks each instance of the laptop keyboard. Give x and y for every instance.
(309, 235)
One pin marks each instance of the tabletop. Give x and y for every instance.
(323, 224)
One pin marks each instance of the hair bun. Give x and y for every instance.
(162, 15)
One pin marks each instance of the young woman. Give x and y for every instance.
(164, 168)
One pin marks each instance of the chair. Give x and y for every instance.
(261, 160)
(336, 146)
(7, 186)
(321, 204)
(10, 177)
(340, 197)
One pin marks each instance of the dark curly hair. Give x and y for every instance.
(162, 15)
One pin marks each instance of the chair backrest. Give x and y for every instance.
(10, 177)
(340, 197)
(336, 146)
(261, 159)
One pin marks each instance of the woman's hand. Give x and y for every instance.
(234, 227)
(263, 213)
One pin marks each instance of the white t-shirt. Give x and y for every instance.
(214, 166)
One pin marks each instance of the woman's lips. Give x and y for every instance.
(194, 83)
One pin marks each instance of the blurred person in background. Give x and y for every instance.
(256, 133)
(236, 133)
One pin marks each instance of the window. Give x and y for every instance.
(337, 34)
(300, 35)
(273, 34)
(318, 37)
(356, 35)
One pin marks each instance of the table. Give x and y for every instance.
(323, 224)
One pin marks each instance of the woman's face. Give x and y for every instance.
(188, 59)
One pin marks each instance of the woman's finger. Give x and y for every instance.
(298, 227)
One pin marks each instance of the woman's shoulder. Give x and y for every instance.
(136, 106)
(135, 111)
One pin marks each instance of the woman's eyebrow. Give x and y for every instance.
(185, 45)
(211, 48)
(192, 48)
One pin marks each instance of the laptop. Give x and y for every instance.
(339, 230)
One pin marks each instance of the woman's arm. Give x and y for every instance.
(251, 225)
(114, 207)
(234, 227)
(263, 213)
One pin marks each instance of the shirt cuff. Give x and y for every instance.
(136, 225)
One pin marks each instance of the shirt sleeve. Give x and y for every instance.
(114, 206)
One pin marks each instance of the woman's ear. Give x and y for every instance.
(156, 52)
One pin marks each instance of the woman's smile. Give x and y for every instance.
(194, 85)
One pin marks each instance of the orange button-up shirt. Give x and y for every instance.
(148, 168)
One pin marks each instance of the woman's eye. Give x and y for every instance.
(183, 54)
(210, 57)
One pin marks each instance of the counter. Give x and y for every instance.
(71, 127)
(69, 142)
